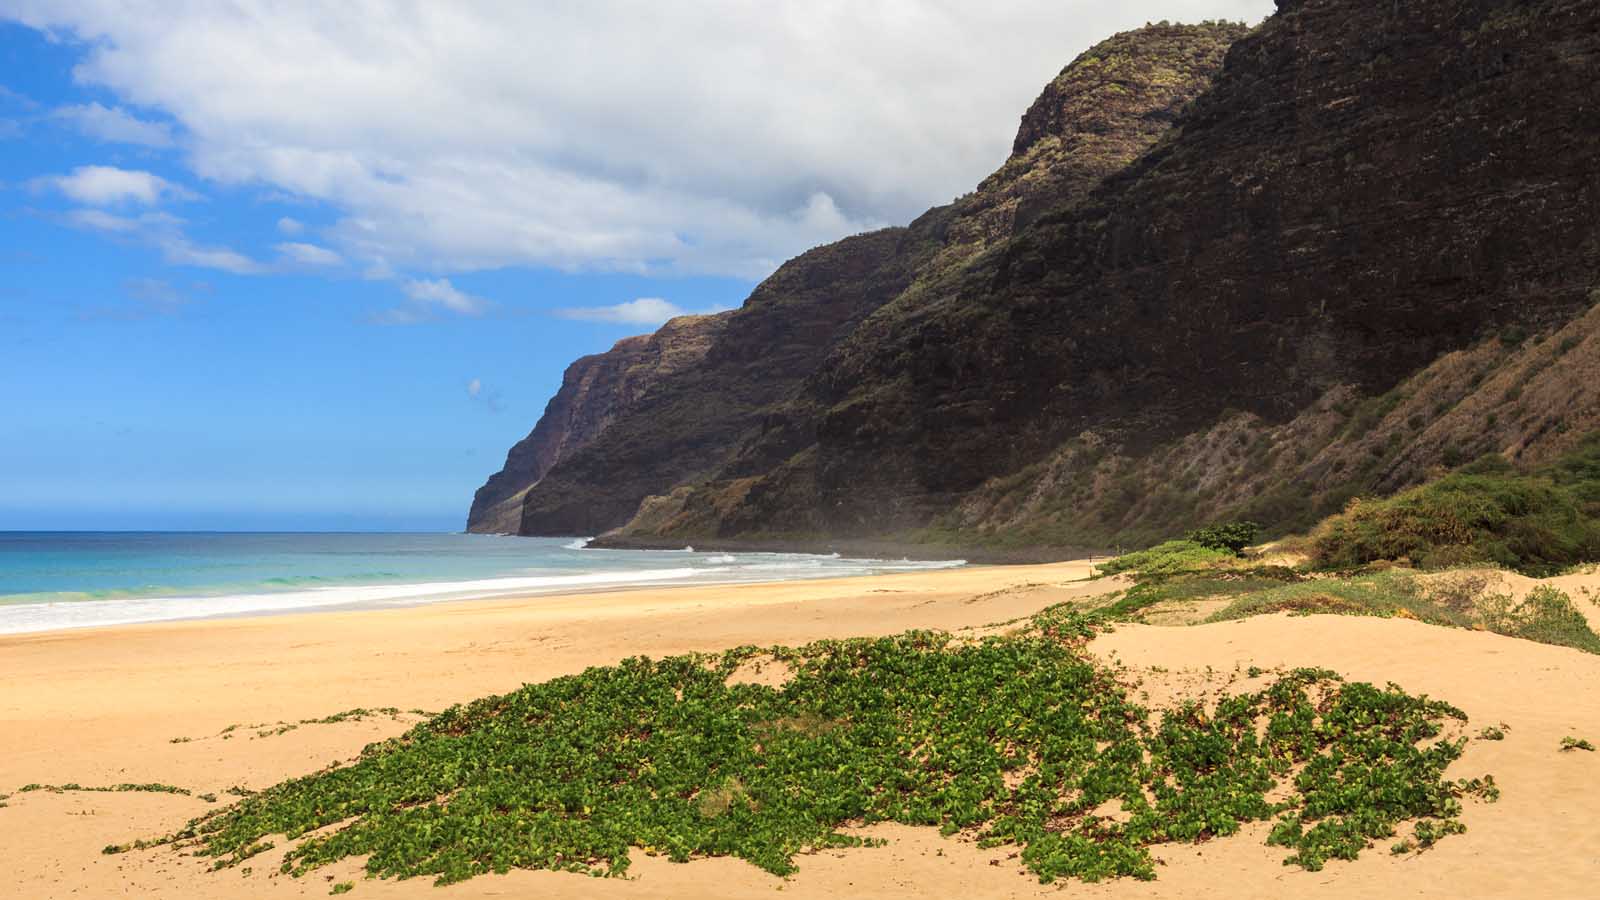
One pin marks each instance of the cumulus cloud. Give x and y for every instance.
(720, 136)
(309, 254)
(290, 226)
(643, 311)
(109, 186)
(116, 126)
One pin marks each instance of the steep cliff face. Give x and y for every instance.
(595, 390)
(1366, 188)
(686, 425)
(1107, 107)
(1100, 113)
(1363, 248)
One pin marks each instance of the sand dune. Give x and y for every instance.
(103, 706)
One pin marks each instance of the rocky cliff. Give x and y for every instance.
(594, 392)
(736, 412)
(685, 426)
(1372, 210)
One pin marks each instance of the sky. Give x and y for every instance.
(313, 266)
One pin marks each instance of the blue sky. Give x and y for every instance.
(143, 394)
(316, 267)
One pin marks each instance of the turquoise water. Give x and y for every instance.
(52, 580)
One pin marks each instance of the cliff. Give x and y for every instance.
(685, 426)
(1366, 188)
(1369, 210)
(734, 412)
(594, 392)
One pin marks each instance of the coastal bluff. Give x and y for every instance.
(1225, 272)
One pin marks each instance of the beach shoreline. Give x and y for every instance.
(44, 597)
(215, 704)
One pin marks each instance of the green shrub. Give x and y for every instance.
(1487, 512)
(1231, 536)
(1166, 559)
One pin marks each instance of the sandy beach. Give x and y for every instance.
(154, 703)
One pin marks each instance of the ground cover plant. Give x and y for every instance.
(1546, 615)
(1180, 571)
(148, 788)
(1384, 594)
(1017, 739)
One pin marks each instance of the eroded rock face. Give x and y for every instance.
(1184, 268)
(1365, 188)
(595, 390)
(1104, 110)
(687, 424)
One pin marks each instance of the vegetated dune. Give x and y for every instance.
(64, 722)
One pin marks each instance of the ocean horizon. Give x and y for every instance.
(53, 580)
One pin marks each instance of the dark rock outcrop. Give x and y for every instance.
(685, 427)
(595, 390)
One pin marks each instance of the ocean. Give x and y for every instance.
(51, 580)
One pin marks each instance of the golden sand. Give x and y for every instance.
(104, 706)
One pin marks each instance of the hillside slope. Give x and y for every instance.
(1366, 190)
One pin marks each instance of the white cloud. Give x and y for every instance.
(309, 254)
(100, 220)
(179, 251)
(425, 299)
(643, 311)
(720, 136)
(290, 226)
(115, 125)
(440, 292)
(108, 186)
(164, 232)
(474, 388)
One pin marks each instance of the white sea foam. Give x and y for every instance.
(578, 544)
(27, 617)
(724, 568)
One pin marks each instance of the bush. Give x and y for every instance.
(1231, 536)
(1487, 512)
(1170, 558)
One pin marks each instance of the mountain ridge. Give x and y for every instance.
(1363, 191)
